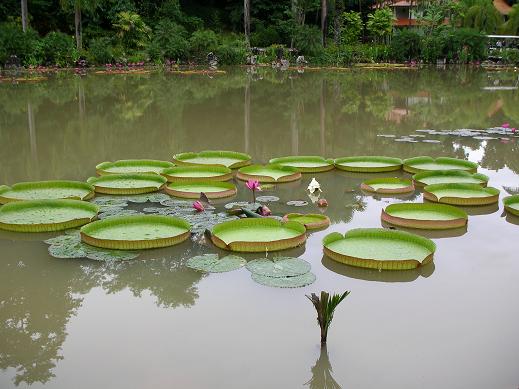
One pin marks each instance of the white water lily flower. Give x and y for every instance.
(314, 186)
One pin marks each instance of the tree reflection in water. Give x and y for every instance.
(322, 373)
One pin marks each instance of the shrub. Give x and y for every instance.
(202, 42)
(27, 47)
(232, 51)
(169, 41)
(131, 30)
(100, 51)
(59, 49)
(351, 27)
(307, 39)
(405, 46)
(265, 36)
(510, 56)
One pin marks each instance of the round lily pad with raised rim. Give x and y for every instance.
(512, 204)
(269, 173)
(136, 232)
(198, 173)
(46, 215)
(368, 164)
(312, 221)
(126, 184)
(133, 166)
(258, 235)
(424, 216)
(449, 177)
(420, 164)
(46, 190)
(230, 159)
(461, 194)
(305, 164)
(379, 248)
(388, 185)
(192, 189)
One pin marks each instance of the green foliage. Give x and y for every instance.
(511, 26)
(455, 45)
(169, 42)
(14, 42)
(232, 51)
(483, 16)
(351, 27)
(59, 49)
(265, 36)
(510, 56)
(405, 46)
(307, 39)
(100, 51)
(131, 30)
(325, 307)
(202, 42)
(380, 24)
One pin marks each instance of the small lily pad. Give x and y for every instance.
(267, 199)
(212, 264)
(278, 267)
(151, 197)
(285, 282)
(297, 203)
(243, 204)
(110, 201)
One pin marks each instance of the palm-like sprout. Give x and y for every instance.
(325, 307)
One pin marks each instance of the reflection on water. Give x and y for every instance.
(63, 127)
(322, 373)
(431, 234)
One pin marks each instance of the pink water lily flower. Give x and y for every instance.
(505, 125)
(253, 185)
(198, 206)
(514, 129)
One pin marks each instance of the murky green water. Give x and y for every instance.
(153, 323)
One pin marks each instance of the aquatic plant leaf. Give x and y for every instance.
(148, 197)
(72, 251)
(243, 204)
(116, 201)
(176, 203)
(297, 203)
(267, 199)
(285, 282)
(278, 267)
(118, 212)
(99, 254)
(212, 264)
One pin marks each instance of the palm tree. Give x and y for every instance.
(24, 15)
(325, 307)
(324, 15)
(246, 20)
(78, 6)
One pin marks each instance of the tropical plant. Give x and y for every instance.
(325, 307)
(511, 26)
(59, 49)
(405, 46)
(483, 16)
(131, 30)
(169, 41)
(380, 24)
(15, 45)
(351, 27)
(78, 6)
(202, 42)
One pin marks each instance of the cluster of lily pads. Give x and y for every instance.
(115, 219)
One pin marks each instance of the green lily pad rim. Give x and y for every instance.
(227, 189)
(21, 186)
(459, 216)
(248, 173)
(508, 201)
(393, 164)
(225, 173)
(321, 221)
(449, 173)
(407, 185)
(383, 234)
(97, 182)
(136, 244)
(285, 161)
(250, 223)
(102, 168)
(410, 163)
(48, 227)
(242, 158)
(491, 198)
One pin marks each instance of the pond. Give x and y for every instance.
(153, 322)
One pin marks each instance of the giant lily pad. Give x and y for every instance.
(136, 232)
(269, 173)
(127, 183)
(192, 189)
(378, 248)
(388, 185)
(461, 194)
(231, 159)
(46, 215)
(198, 173)
(257, 235)
(212, 264)
(278, 267)
(368, 164)
(133, 166)
(449, 177)
(285, 282)
(512, 204)
(305, 164)
(310, 220)
(424, 216)
(420, 164)
(46, 190)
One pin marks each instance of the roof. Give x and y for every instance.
(502, 6)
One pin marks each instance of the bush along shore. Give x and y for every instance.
(134, 33)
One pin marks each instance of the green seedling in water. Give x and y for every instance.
(325, 307)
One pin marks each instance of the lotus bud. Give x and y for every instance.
(322, 203)
(198, 206)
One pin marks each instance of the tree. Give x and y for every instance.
(511, 26)
(24, 15)
(246, 20)
(351, 27)
(131, 30)
(324, 15)
(380, 24)
(78, 6)
(483, 16)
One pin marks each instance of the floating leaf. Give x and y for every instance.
(118, 212)
(243, 204)
(297, 203)
(285, 282)
(267, 199)
(116, 201)
(72, 251)
(278, 267)
(211, 264)
(151, 197)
